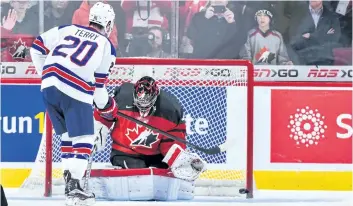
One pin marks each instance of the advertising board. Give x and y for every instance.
(182, 72)
(311, 126)
(22, 122)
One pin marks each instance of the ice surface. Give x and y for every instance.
(262, 198)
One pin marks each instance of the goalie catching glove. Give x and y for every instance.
(184, 165)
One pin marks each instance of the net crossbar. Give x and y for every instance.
(204, 89)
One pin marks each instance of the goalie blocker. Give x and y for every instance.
(136, 147)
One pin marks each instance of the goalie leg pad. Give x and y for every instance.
(139, 184)
(81, 150)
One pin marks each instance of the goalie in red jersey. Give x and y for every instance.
(135, 146)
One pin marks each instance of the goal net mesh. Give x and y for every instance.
(203, 93)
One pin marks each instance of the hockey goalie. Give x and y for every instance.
(147, 165)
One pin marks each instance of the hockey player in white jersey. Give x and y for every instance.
(74, 63)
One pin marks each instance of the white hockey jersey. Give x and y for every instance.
(76, 60)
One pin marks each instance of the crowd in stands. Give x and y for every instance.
(265, 32)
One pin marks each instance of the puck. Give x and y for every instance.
(243, 191)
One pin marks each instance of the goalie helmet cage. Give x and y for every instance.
(204, 81)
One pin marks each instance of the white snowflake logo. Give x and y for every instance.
(307, 126)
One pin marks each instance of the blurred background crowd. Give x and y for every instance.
(265, 32)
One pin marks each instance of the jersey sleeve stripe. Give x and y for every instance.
(40, 39)
(100, 79)
(99, 83)
(99, 75)
(39, 46)
(67, 77)
(40, 49)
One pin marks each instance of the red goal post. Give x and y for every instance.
(206, 89)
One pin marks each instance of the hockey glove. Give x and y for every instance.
(184, 165)
(100, 132)
(110, 111)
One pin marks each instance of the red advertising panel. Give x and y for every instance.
(311, 126)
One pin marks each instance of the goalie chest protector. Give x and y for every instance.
(131, 138)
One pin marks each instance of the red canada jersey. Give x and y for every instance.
(129, 137)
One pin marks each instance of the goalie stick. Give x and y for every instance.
(214, 150)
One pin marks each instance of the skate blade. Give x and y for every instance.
(74, 201)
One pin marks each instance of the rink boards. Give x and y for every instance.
(283, 159)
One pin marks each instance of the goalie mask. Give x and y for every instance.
(145, 94)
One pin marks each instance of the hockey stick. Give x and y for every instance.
(214, 150)
(89, 168)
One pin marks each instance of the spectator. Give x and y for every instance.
(27, 20)
(187, 10)
(146, 13)
(159, 36)
(265, 45)
(317, 34)
(81, 18)
(140, 16)
(343, 9)
(278, 10)
(213, 32)
(59, 12)
(9, 21)
(120, 22)
(14, 47)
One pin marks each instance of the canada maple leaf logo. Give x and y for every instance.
(264, 56)
(141, 136)
(18, 50)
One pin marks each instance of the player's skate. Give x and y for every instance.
(75, 196)
(67, 176)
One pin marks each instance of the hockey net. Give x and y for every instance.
(217, 97)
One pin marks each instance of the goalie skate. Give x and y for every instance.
(75, 195)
